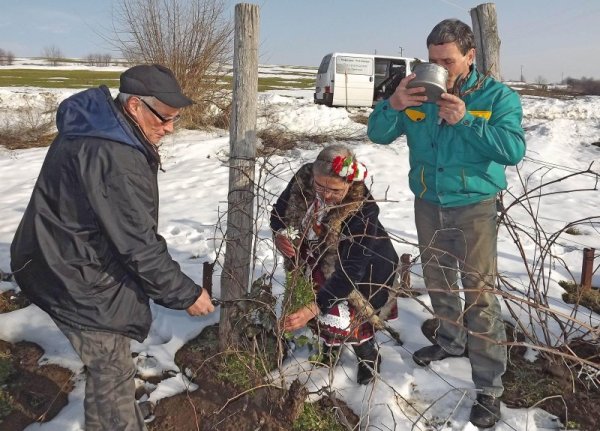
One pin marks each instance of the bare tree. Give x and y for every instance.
(6, 57)
(98, 59)
(52, 54)
(105, 59)
(193, 38)
(90, 59)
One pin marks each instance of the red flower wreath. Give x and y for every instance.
(337, 164)
(349, 169)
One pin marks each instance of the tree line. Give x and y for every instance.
(6, 57)
(54, 55)
(584, 85)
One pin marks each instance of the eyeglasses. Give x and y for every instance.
(163, 120)
(322, 190)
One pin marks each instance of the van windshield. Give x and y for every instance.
(324, 64)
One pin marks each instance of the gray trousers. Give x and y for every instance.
(463, 240)
(109, 388)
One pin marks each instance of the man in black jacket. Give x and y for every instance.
(87, 250)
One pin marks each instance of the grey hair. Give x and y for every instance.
(452, 30)
(124, 97)
(323, 165)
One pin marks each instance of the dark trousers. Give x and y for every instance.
(109, 388)
(462, 240)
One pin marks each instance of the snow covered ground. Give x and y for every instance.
(560, 134)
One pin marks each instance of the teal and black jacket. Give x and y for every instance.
(461, 164)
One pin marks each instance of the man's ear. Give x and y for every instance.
(471, 56)
(132, 106)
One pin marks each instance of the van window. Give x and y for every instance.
(354, 65)
(398, 68)
(381, 71)
(324, 64)
(388, 75)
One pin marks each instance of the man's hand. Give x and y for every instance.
(452, 108)
(300, 318)
(284, 245)
(202, 306)
(406, 97)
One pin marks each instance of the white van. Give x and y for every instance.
(346, 79)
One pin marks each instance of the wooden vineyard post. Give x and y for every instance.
(487, 41)
(235, 278)
(587, 268)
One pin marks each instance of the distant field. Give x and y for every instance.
(278, 82)
(48, 78)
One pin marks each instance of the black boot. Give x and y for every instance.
(369, 361)
(486, 411)
(428, 354)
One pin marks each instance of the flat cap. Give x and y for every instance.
(154, 80)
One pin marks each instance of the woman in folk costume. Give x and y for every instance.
(326, 224)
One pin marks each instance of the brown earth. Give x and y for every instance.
(225, 406)
(38, 392)
(557, 386)
(10, 301)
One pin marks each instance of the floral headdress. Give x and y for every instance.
(349, 169)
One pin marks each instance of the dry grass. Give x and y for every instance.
(586, 298)
(360, 118)
(32, 126)
(574, 231)
(546, 91)
(19, 137)
(277, 142)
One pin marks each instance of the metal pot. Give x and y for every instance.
(431, 76)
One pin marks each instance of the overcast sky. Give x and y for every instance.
(552, 39)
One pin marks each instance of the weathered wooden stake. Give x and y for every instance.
(487, 42)
(587, 268)
(235, 278)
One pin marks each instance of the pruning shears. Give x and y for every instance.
(222, 302)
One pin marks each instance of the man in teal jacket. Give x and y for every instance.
(459, 148)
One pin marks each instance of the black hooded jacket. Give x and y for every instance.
(87, 250)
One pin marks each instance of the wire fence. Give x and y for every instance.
(544, 323)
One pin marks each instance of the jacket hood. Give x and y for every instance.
(93, 113)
